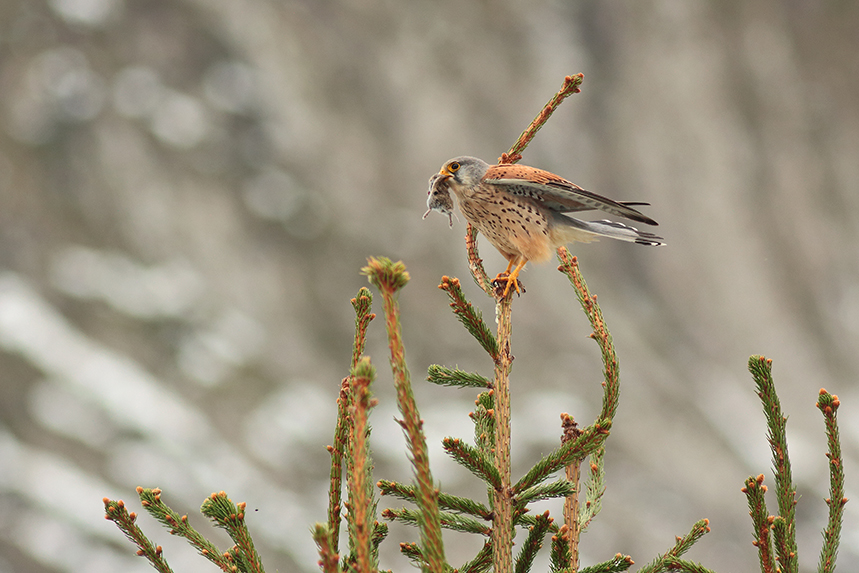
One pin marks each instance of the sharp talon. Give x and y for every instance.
(502, 285)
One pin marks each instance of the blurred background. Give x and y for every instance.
(188, 190)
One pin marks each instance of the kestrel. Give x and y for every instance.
(521, 211)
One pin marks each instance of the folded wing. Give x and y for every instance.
(558, 194)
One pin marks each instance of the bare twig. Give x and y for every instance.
(570, 86)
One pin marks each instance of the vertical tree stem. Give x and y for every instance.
(573, 473)
(502, 531)
(571, 513)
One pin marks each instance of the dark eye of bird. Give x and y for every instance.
(453, 166)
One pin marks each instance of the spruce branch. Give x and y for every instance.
(483, 417)
(474, 460)
(611, 371)
(683, 566)
(469, 316)
(534, 542)
(380, 532)
(589, 441)
(328, 557)
(389, 278)
(362, 303)
(570, 86)
(178, 525)
(337, 451)
(231, 518)
(828, 405)
(528, 521)
(555, 489)
(784, 525)
(761, 520)
(362, 506)
(594, 489)
(455, 377)
(445, 500)
(617, 563)
(559, 557)
(116, 512)
(668, 560)
(452, 521)
(413, 552)
(481, 562)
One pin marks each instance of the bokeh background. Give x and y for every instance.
(188, 189)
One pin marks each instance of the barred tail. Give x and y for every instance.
(577, 230)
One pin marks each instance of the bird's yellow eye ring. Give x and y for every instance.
(453, 166)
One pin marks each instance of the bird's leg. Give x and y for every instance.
(513, 277)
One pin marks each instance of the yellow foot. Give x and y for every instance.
(502, 284)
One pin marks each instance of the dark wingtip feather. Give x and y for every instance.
(650, 243)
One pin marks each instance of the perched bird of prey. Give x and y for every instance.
(521, 211)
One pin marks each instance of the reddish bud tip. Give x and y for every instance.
(823, 391)
(105, 500)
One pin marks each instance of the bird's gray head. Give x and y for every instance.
(464, 171)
